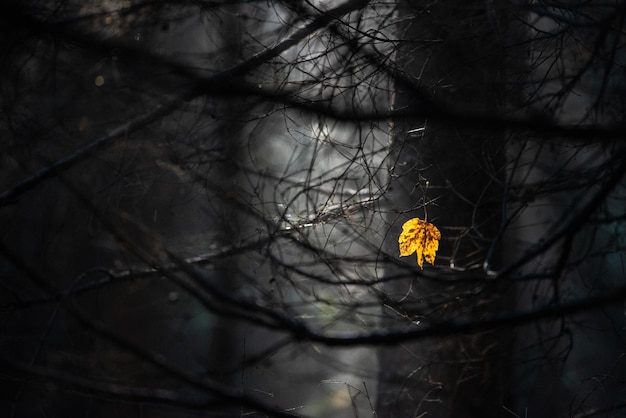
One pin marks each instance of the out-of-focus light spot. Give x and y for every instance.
(83, 124)
(99, 81)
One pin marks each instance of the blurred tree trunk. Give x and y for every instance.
(450, 174)
(572, 73)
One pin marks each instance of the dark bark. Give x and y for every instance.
(452, 174)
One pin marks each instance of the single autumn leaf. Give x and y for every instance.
(421, 238)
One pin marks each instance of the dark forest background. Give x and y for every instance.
(200, 204)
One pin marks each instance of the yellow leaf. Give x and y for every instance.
(421, 238)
